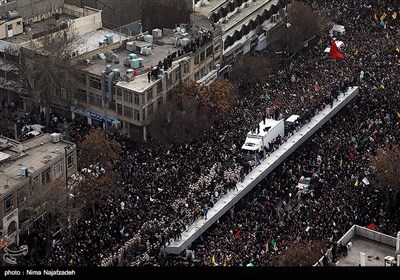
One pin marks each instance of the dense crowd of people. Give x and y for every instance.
(167, 189)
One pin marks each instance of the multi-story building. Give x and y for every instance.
(22, 31)
(127, 83)
(244, 23)
(25, 168)
(124, 78)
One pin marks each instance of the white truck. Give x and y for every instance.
(266, 131)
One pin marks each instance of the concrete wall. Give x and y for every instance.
(31, 8)
(116, 13)
(86, 24)
(16, 28)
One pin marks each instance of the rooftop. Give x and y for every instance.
(375, 252)
(375, 245)
(251, 12)
(208, 9)
(91, 41)
(38, 27)
(34, 154)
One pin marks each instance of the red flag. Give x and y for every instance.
(335, 52)
(237, 234)
(371, 226)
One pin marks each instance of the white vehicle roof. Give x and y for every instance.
(252, 144)
(292, 118)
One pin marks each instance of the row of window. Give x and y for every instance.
(46, 179)
(208, 52)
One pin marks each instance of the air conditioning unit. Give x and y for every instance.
(24, 171)
(55, 137)
(130, 46)
(157, 33)
(146, 51)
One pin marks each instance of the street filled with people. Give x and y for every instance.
(166, 189)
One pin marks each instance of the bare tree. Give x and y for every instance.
(181, 120)
(50, 69)
(385, 165)
(253, 68)
(301, 254)
(55, 209)
(301, 24)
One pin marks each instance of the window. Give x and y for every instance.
(136, 98)
(128, 97)
(95, 83)
(82, 79)
(197, 76)
(136, 114)
(35, 185)
(202, 56)
(58, 169)
(159, 87)
(209, 51)
(119, 94)
(216, 47)
(70, 160)
(46, 176)
(95, 100)
(169, 79)
(8, 203)
(9, 27)
(128, 112)
(81, 95)
(63, 93)
(149, 94)
(196, 60)
(119, 109)
(169, 95)
(19, 22)
(159, 101)
(150, 110)
(21, 196)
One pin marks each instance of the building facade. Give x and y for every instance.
(25, 169)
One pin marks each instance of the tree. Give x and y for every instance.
(300, 25)
(301, 254)
(56, 208)
(254, 68)
(385, 165)
(219, 96)
(97, 151)
(98, 155)
(193, 111)
(181, 120)
(49, 69)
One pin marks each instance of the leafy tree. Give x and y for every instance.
(193, 111)
(385, 165)
(181, 120)
(98, 157)
(301, 254)
(98, 151)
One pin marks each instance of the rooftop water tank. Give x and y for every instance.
(12, 15)
(148, 38)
